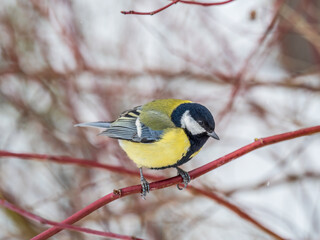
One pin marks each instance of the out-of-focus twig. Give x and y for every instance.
(301, 26)
(69, 160)
(42, 220)
(236, 210)
(290, 178)
(239, 77)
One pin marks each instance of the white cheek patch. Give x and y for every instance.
(190, 124)
(138, 126)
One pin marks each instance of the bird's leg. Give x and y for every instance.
(185, 176)
(144, 185)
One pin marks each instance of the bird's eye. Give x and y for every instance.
(200, 122)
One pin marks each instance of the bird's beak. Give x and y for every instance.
(213, 135)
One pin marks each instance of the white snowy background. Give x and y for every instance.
(63, 62)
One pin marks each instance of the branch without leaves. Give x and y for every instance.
(94, 164)
(119, 193)
(41, 220)
(205, 4)
(174, 2)
(150, 13)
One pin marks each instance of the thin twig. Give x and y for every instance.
(150, 13)
(240, 76)
(174, 2)
(206, 4)
(290, 178)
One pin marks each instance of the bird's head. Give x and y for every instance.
(195, 119)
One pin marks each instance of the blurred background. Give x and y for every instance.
(254, 64)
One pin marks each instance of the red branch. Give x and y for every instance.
(69, 160)
(119, 193)
(150, 13)
(90, 163)
(174, 2)
(206, 4)
(41, 220)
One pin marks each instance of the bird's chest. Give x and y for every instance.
(168, 151)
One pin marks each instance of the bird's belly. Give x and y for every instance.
(173, 145)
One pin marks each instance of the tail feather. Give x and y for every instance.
(94, 124)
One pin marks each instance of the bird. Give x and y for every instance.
(164, 133)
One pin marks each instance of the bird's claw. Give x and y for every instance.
(145, 188)
(144, 185)
(185, 176)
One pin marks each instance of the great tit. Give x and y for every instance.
(161, 134)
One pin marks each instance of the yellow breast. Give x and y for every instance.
(173, 145)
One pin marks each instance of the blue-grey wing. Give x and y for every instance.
(132, 130)
(127, 127)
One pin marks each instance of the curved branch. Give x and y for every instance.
(119, 193)
(70, 160)
(93, 164)
(206, 4)
(42, 220)
(150, 13)
(174, 2)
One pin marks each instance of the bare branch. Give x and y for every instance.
(119, 193)
(42, 220)
(94, 164)
(206, 4)
(150, 13)
(174, 2)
